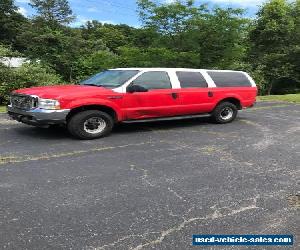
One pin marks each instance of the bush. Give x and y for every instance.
(286, 85)
(29, 75)
(94, 63)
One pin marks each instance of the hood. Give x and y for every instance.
(61, 91)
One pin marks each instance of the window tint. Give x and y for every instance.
(191, 79)
(229, 79)
(154, 80)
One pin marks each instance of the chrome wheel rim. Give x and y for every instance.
(226, 113)
(94, 125)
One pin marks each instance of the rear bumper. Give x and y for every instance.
(38, 117)
(248, 104)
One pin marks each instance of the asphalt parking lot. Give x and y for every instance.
(151, 185)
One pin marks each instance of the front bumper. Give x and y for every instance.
(37, 116)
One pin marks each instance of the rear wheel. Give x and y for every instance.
(90, 124)
(225, 112)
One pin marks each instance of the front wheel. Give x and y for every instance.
(225, 112)
(90, 124)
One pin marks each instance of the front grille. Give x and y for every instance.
(24, 102)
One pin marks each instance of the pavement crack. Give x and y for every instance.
(112, 244)
(225, 156)
(145, 175)
(216, 214)
(124, 238)
(176, 194)
(267, 138)
(145, 178)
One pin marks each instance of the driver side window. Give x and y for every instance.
(154, 80)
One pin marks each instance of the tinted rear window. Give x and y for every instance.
(191, 79)
(229, 79)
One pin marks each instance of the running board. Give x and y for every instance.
(172, 118)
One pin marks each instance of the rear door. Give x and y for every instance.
(234, 84)
(161, 100)
(195, 96)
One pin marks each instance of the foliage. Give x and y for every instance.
(94, 63)
(28, 75)
(173, 34)
(53, 11)
(7, 51)
(270, 42)
(169, 19)
(155, 57)
(213, 36)
(112, 36)
(294, 53)
(59, 48)
(11, 22)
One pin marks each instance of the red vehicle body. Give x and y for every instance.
(125, 95)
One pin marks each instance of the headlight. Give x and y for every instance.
(48, 104)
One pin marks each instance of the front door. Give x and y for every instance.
(159, 101)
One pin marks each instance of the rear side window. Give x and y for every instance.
(191, 79)
(229, 79)
(154, 80)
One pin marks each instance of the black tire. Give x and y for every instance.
(219, 114)
(81, 124)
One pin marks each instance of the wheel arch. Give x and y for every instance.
(233, 100)
(103, 108)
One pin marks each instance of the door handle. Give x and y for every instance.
(174, 95)
(210, 94)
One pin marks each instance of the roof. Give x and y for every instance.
(175, 69)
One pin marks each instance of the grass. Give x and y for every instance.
(295, 98)
(2, 109)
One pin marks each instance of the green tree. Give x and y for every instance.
(145, 37)
(95, 62)
(113, 36)
(270, 41)
(155, 57)
(10, 22)
(59, 47)
(216, 35)
(7, 51)
(294, 54)
(219, 38)
(170, 20)
(53, 11)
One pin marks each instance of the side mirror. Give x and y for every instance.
(135, 88)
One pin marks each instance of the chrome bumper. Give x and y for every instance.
(38, 116)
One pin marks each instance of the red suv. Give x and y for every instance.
(91, 108)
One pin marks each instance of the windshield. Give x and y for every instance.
(110, 78)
